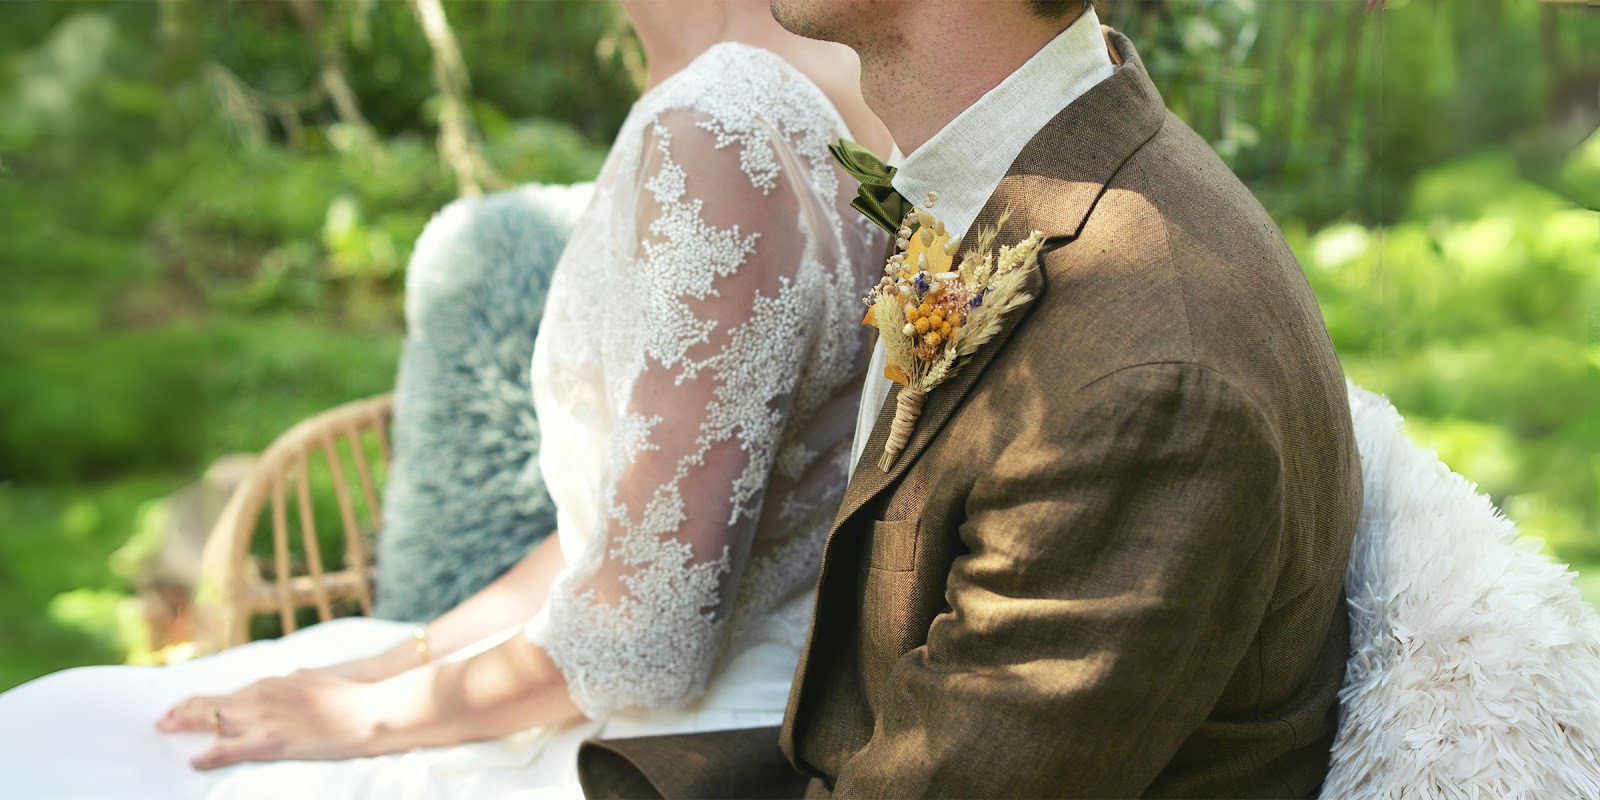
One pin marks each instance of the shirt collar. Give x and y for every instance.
(966, 159)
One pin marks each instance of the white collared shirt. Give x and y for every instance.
(966, 159)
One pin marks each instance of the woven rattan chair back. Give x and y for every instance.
(237, 585)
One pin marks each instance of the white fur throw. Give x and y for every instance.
(1474, 669)
(465, 500)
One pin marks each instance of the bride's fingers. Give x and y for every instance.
(185, 714)
(193, 714)
(227, 752)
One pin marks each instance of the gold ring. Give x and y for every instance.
(216, 720)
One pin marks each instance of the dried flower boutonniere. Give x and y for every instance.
(932, 313)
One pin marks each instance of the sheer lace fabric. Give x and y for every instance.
(697, 370)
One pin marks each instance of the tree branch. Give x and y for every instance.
(332, 78)
(459, 142)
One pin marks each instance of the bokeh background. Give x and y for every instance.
(206, 209)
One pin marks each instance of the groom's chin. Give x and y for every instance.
(824, 20)
(796, 16)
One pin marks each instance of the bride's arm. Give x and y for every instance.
(314, 715)
(506, 602)
(509, 688)
(392, 702)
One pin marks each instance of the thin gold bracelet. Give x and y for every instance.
(420, 634)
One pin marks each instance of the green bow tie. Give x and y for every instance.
(876, 198)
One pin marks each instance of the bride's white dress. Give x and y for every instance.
(696, 376)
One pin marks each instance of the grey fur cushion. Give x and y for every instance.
(465, 500)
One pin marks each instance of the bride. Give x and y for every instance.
(696, 376)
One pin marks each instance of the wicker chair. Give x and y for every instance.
(234, 586)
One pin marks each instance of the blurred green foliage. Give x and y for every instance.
(195, 255)
(1476, 313)
(199, 248)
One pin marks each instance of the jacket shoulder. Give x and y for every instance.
(1177, 262)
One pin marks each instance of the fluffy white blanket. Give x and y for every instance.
(1475, 665)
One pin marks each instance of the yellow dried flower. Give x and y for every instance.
(933, 339)
(922, 324)
(937, 259)
(913, 313)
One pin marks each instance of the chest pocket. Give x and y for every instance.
(894, 545)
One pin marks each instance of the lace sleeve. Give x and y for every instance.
(706, 348)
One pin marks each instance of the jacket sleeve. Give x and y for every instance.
(1116, 576)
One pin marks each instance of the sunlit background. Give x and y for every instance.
(206, 209)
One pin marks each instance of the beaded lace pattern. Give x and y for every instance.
(697, 370)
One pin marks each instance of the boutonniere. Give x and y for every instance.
(932, 313)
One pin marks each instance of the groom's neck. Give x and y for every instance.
(940, 59)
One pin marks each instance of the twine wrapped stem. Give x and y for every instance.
(906, 410)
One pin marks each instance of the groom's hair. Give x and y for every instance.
(1056, 9)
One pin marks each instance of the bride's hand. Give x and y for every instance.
(309, 715)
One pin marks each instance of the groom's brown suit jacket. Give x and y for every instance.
(1109, 562)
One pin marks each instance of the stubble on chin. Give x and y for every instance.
(846, 22)
(872, 28)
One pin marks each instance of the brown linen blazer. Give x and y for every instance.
(1109, 561)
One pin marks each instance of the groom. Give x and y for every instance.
(1108, 561)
